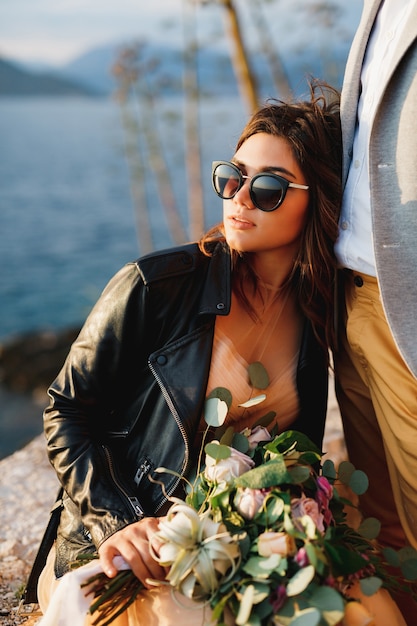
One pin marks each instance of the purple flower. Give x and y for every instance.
(278, 597)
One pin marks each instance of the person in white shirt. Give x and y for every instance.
(376, 361)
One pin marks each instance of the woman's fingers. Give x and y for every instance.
(132, 543)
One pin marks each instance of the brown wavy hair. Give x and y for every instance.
(312, 128)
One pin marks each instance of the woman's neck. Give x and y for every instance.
(271, 269)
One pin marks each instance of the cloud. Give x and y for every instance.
(56, 30)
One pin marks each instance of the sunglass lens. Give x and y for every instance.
(226, 181)
(267, 192)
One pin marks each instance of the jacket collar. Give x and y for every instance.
(216, 295)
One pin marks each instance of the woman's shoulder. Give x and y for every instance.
(175, 261)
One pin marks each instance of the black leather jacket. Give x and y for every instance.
(130, 394)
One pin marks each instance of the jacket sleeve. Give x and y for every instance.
(82, 398)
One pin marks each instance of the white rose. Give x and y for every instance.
(249, 501)
(257, 435)
(225, 470)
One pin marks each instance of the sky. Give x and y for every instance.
(56, 31)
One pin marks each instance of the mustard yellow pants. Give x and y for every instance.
(377, 396)
(378, 400)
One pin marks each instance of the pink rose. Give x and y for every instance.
(249, 501)
(258, 435)
(325, 487)
(301, 558)
(307, 506)
(225, 470)
(275, 543)
(323, 497)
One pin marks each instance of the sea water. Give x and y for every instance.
(67, 218)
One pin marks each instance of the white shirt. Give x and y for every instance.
(354, 247)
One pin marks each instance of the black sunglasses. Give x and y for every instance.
(267, 190)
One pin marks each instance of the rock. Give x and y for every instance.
(31, 361)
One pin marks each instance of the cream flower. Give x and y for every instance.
(276, 543)
(199, 552)
(223, 471)
(249, 501)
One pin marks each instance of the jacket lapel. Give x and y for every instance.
(351, 82)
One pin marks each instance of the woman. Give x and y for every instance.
(175, 324)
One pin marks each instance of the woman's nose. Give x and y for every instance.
(243, 195)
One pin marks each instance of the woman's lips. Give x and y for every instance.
(240, 222)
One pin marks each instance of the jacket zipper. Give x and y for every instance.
(133, 501)
(142, 471)
(180, 426)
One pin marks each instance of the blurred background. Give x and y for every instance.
(110, 115)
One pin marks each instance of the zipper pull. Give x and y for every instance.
(142, 471)
(136, 507)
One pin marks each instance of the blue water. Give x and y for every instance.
(67, 221)
(67, 218)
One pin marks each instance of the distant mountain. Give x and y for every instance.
(18, 81)
(162, 67)
(165, 66)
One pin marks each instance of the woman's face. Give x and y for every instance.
(247, 228)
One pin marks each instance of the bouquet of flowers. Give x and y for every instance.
(262, 535)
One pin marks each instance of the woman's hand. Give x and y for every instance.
(132, 543)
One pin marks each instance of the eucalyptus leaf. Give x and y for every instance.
(299, 474)
(266, 419)
(407, 553)
(215, 411)
(258, 376)
(359, 482)
(261, 567)
(329, 470)
(262, 592)
(329, 601)
(227, 436)
(345, 471)
(217, 451)
(300, 581)
(409, 569)
(307, 617)
(370, 528)
(392, 557)
(370, 585)
(253, 401)
(222, 394)
(240, 442)
(246, 604)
